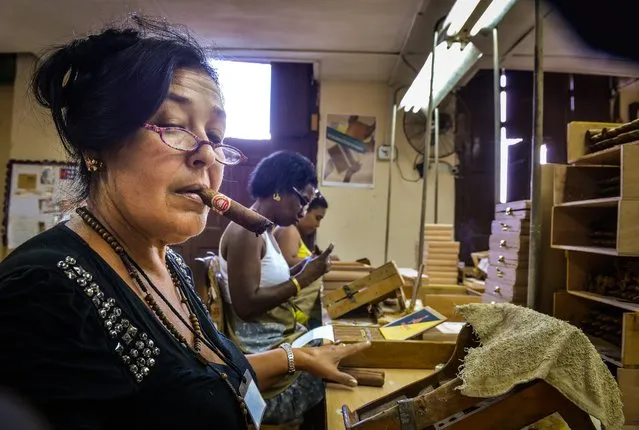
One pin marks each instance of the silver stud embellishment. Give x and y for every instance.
(135, 348)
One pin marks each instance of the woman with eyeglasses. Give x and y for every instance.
(262, 288)
(100, 326)
(296, 242)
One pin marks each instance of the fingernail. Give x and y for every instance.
(352, 382)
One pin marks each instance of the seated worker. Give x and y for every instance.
(296, 242)
(260, 284)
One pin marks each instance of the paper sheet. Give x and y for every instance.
(323, 332)
(450, 327)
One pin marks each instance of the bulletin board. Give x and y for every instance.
(35, 196)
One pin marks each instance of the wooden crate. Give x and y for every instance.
(574, 309)
(516, 209)
(576, 137)
(375, 287)
(572, 226)
(503, 259)
(506, 291)
(589, 181)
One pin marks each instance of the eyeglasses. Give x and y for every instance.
(183, 140)
(304, 201)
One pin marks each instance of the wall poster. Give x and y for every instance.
(35, 196)
(349, 153)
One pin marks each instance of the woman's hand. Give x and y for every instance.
(315, 267)
(323, 361)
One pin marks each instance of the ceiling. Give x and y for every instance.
(363, 40)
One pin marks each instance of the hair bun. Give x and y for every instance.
(90, 52)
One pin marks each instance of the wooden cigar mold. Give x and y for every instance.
(236, 212)
(434, 401)
(382, 283)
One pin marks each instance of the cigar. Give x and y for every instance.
(236, 212)
(366, 377)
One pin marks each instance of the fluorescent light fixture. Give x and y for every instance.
(451, 64)
(458, 16)
(492, 15)
(543, 154)
(503, 101)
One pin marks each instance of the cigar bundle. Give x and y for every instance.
(235, 211)
(603, 324)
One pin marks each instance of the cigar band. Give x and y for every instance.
(221, 203)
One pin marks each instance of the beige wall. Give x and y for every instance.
(356, 219)
(26, 130)
(33, 135)
(6, 114)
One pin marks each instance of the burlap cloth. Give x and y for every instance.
(519, 345)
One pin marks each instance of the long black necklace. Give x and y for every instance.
(136, 273)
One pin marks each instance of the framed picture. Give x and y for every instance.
(350, 152)
(35, 195)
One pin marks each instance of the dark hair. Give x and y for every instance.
(280, 172)
(318, 202)
(103, 88)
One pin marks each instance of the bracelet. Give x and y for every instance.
(289, 357)
(298, 287)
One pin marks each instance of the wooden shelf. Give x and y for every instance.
(589, 249)
(573, 226)
(606, 157)
(608, 352)
(573, 308)
(611, 301)
(606, 202)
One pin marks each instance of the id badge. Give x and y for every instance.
(254, 401)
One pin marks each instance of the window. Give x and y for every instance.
(247, 98)
(507, 142)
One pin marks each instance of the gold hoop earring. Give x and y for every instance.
(276, 197)
(93, 165)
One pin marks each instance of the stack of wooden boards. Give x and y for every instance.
(441, 254)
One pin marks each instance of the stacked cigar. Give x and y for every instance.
(603, 324)
(600, 139)
(622, 283)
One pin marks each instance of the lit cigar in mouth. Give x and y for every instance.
(234, 211)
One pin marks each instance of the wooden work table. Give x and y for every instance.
(416, 354)
(338, 395)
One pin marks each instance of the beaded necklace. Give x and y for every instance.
(136, 273)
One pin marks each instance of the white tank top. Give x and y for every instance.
(274, 269)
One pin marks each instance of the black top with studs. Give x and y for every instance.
(86, 352)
